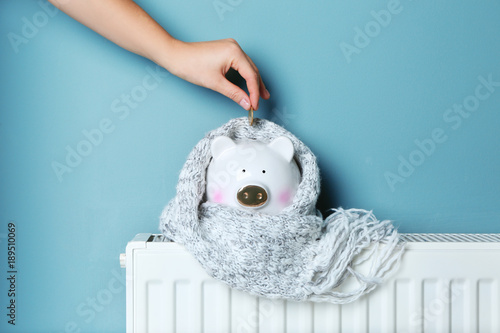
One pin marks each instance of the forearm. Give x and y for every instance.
(124, 23)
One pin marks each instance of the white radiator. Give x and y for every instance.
(446, 283)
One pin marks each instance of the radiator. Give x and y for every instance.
(446, 283)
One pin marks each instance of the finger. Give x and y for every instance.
(247, 69)
(264, 93)
(234, 92)
(252, 78)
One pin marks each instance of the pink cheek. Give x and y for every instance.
(218, 197)
(285, 197)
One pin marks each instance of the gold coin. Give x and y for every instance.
(250, 116)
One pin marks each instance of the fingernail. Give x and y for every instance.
(267, 92)
(245, 104)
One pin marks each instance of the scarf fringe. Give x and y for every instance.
(353, 237)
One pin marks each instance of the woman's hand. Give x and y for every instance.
(206, 64)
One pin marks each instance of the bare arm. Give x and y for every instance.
(203, 63)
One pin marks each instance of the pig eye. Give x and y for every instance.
(263, 171)
(243, 170)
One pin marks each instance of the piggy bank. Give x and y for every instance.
(253, 175)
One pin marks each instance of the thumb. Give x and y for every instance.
(235, 93)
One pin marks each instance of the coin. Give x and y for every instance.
(250, 116)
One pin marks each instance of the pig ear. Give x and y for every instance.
(283, 146)
(220, 145)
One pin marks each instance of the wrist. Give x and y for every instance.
(167, 54)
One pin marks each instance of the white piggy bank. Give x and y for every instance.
(253, 175)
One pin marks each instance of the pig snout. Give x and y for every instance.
(252, 196)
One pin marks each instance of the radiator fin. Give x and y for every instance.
(272, 314)
(436, 306)
(243, 312)
(327, 318)
(299, 317)
(488, 309)
(154, 294)
(459, 307)
(403, 311)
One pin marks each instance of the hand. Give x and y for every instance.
(206, 64)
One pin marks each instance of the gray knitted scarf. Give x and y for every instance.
(295, 254)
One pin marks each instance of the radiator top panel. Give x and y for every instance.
(451, 238)
(415, 238)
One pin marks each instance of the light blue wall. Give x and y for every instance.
(362, 103)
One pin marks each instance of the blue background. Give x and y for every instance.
(361, 113)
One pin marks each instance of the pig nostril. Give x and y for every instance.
(251, 196)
